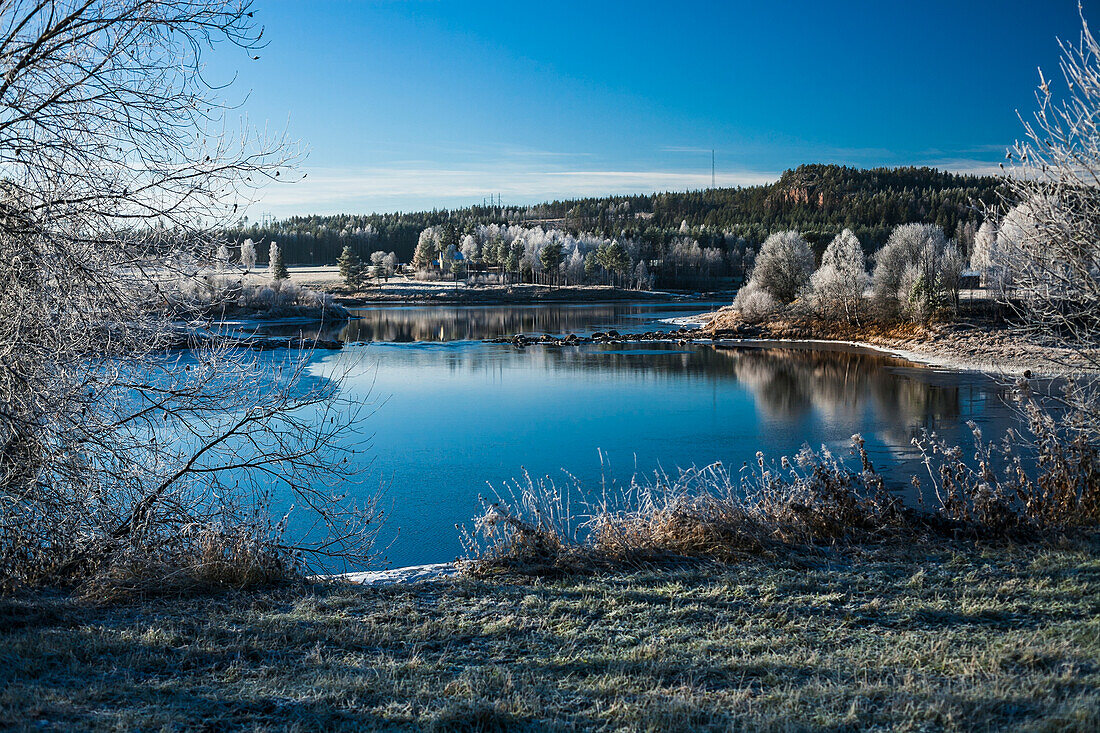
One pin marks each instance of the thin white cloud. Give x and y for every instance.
(684, 149)
(420, 184)
(967, 166)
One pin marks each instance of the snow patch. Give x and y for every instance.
(396, 576)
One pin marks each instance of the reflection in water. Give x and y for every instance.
(443, 323)
(789, 381)
(451, 418)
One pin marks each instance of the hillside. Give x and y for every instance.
(819, 200)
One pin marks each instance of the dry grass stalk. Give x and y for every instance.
(811, 500)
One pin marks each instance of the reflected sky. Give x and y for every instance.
(449, 419)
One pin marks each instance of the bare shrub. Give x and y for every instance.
(118, 180)
(1055, 253)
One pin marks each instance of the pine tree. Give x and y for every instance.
(550, 257)
(591, 265)
(351, 268)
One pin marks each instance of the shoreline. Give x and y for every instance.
(998, 352)
(528, 295)
(401, 289)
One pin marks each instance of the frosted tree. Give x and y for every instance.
(469, 248)
(390, 263)
(712, 260)
(575, 264)
(981, 255)
(276, 268)
(642, 278)
(1017, 227)
(248, 255)
(783, 266)
(917, 272)
(450, 254)
(117, 449)
(965, 232)
(221, 258)
(836, 288)
(427, 248)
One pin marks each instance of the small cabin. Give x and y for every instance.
(970, 280)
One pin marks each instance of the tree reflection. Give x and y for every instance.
(441, 323)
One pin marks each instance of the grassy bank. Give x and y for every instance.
(953, 637)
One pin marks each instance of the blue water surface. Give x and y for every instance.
(451, 418)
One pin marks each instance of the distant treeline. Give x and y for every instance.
(817, 200)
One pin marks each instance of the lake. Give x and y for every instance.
(452, 417)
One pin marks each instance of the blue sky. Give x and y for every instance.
(406, 105)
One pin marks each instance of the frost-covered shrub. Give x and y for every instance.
(199, 293)
(262, 297)
(783, 266)
(755, 303)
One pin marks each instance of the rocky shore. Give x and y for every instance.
(988, 348)
(681, 335)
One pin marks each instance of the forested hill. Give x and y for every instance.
(813, 197)
(818, 200)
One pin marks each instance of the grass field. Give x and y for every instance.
(941, 638)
